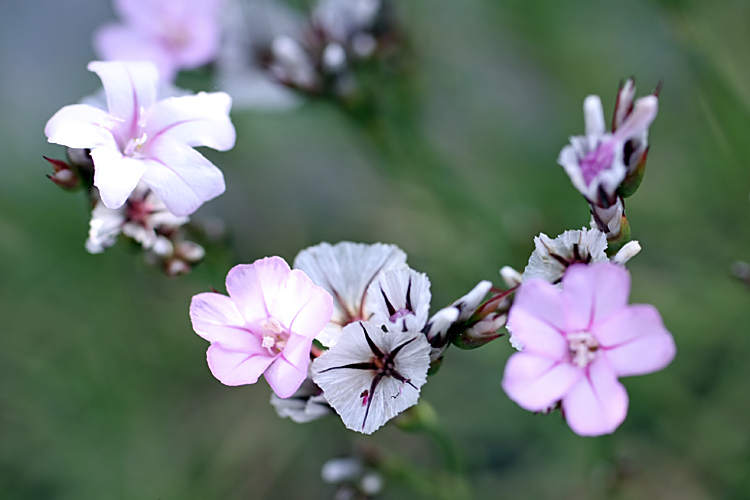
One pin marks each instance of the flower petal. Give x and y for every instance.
(537, 336)
(593, 115)
(285, 378)
(115, 42)
(130, 87)
(541, 299)
(196, 120)
(215, 318)
(400, 299)
(254, 286)
(598, 403)
(537, 383)
(578, 297)
(301, 306)
(181, 176)
(115, 175)
(611, 290)
(80, 126)
(635, 341)
(644, 113)
(234, 367)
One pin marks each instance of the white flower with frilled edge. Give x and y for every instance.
(400, 300)
(371, 375)
(141, 139)
(586, 246)
(594, 162)
(346, 270)
(305, 405)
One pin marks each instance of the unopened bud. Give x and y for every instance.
(482, 332)
(189, 251)
(63, 176)
(511, 277)
(634, 177)
(176, 267)
(627, 252)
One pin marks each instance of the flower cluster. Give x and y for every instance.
(606, 167)
(570, 317)
(361, 302)
(133, 154)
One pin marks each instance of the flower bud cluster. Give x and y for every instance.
(608, 166)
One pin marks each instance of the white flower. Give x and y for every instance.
(400, 300)
(595, 162)
(370, 376)
(139, 138)
(345, 270)
(587, 246)
(140, 218)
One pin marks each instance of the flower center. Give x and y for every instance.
(583, 348)
(400, 313)
(597, 160)
(274, 336)
(133, 147)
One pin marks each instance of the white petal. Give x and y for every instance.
(644, 113)
(130, 87)
(197, 120)
(345, 270)
(104, 227)
(115, 175)
(400, 299)
(181, 176)
(593, 114)
(81, 126)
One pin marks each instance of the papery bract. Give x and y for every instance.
(371, 375)
(173, 34)
(265, 327)
(141, 139)
(576, 343)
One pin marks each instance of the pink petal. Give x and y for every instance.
(181, 176)
(598, 403)
(216, 318)
(254, 286)
(635, 341)
(236, 368)
(301, 306)
(537, 383)
(130, 88)
(297, 350)
(285, 378)
(542, 300)
(80, 126)
(204, 37)
(114, 42)
(578, 296)
(537, 336)
(115, 175)
(611, 289)
(196, 120)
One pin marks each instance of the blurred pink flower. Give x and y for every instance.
(140, 138)
(578, 341)
(173, 34)
(266, 325)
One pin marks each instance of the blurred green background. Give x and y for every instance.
(104, 389)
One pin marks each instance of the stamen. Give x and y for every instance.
(583, 347)
(271, 325)
(268, 342)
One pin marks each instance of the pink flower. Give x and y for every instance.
(140, 138)
(266, 325)
(578, 341)
(173, 34)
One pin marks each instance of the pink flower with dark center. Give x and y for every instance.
(138, 138)
(265, 327)
(578, 341)
(173, 34)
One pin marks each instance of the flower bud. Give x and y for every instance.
(64, 175)
(482, 332)
(511, 277)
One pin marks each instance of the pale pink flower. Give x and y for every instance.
(265, 327)
(578, 341)
(141, 139)
(173, 34)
